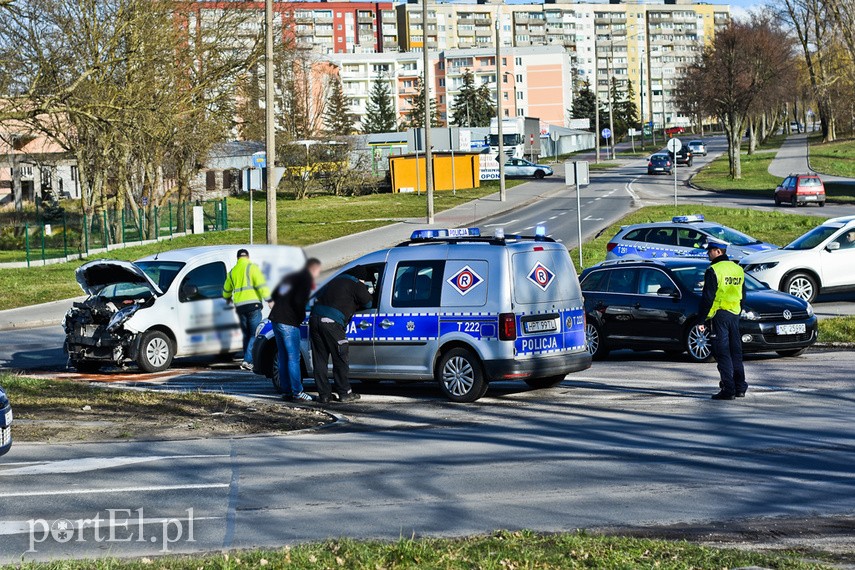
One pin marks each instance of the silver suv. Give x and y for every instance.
(462, 310)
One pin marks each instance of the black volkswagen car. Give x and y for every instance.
(653, 305)
(5, 423)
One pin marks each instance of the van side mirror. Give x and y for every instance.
(833, 246)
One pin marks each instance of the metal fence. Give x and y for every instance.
(54, 235)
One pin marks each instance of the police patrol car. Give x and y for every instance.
(464, 310)
(683, 236)
(5, 423)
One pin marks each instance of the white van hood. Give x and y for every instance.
(95, 275)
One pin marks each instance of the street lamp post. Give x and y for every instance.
(499, 117)
(596, 99)
(611, 139)
(428, 151)
(269, 130)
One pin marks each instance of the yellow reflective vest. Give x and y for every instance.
(245, 284)
(728, 296)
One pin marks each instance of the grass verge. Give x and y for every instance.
(773, 227)
(500, 551)
(48, 410)
(835, 158)
(300, 222)
(837, 329)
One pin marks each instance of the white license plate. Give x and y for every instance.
(808, 198)
(5, 436)
(540, 326)
(790, 329)
(8, 418)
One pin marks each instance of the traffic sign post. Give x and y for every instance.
(577, 174)
(607, 134)
(674, 145)
(259, 162)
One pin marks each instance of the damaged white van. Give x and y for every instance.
(163, 306)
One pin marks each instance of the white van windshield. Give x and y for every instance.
(163, 273)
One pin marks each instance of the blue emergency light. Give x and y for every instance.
(445, 233)
(688, 219)
(540, 231)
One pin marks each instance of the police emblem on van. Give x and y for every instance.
(465, 280)
(541, 276)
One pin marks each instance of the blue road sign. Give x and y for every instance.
(607, 134)
(259, 160)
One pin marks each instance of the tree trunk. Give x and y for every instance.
(733, 129)
(17, 190)
(752, 135)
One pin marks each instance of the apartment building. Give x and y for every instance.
(323, 27)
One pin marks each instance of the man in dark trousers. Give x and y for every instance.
(286, 315)
(335, 305)
(721, 304)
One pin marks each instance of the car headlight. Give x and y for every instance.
(121, 316)
(750, 315)
(810, 310)
(755, 267)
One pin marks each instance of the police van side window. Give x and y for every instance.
(205, 282)
(418, 284)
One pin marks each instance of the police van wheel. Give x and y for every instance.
(460, 376)
(698, 344)
(156, 352)
(548, 382)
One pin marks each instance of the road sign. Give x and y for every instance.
(259, 160)
(576, 169)
(648, 130)
(607, 134)
(674, 145)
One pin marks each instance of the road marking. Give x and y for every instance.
(631, 191)
(92, 464)
(598, 198)
(590, 219)
(113, 490)
(501, 224)
(528, 228)
(553, 217)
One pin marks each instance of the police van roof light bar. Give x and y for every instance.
(445, 233)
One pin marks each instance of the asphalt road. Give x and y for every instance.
(633, 442)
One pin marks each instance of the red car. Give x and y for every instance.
(671, 131)
(800, 189)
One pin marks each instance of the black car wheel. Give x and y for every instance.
(777, 200)
(791, 353)
(822, 204)
(594, 342)
(460, 376)
(794, 202)
(698, 344)
(156, 352)
(801, 285)
(539, 174)
(548, 382)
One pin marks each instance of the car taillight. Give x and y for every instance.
(610, 246)
(507, 326)
(668, 163)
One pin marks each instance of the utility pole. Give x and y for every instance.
(641, 91)
(499, 113)
(269, 132)
(596, 98)
(611, 140)
(428, 151)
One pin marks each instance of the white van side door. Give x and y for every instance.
(208, 324)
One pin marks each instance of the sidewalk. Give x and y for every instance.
(337, 252)
(792, 158)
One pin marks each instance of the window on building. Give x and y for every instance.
(518, 60)
(519, 95)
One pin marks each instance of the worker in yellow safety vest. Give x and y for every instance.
(246, 287)
(721, 304)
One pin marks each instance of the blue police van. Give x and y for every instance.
(464, 310)
(683, 236)
(5, 423)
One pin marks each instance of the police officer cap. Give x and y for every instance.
(242, 253)
(713, 243)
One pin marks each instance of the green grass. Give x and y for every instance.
(837, 329)
(773, 227)
(836, 158)
(604, 165)
(500, 551)
(300, 222)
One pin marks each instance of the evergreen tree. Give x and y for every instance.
(473, 106)
(416, 116)
(338, 120)
(381, 116)
(584, 104)
(623, 108)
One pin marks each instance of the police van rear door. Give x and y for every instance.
(547, 301)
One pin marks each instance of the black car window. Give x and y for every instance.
(664, 236)
(418, 284)
(652, 280)
(690, 238)
(637, 235)
(205, 282)
(623, 281)
(595, 281)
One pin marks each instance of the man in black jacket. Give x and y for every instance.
(288, 313)
(335, 306)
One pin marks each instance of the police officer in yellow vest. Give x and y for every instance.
(721, 304)
(246, 287)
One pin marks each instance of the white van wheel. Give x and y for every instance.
(460, 376)
(156, 352)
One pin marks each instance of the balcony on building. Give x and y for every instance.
(520, 18)
(364, 17)
(481, 21)
(323, 31)
(481, 31)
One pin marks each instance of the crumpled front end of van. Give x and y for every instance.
(95, 332)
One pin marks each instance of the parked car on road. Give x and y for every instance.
(653, 305)
(683, 236)
(5, 423)
(671, 131)
(522, 168)
(698, 147)
(659, 163)
(162, 306)
(462, 310)
(800, 190)
(820, 261)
